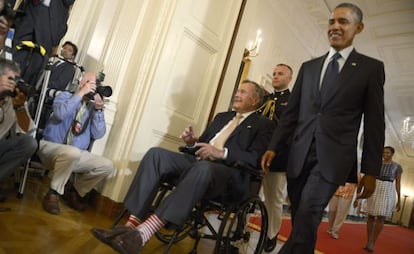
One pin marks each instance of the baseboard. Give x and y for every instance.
(104, 205)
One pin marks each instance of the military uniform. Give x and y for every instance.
(273, 106)
(274, 183)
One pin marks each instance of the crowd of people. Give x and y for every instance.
(304, 140)
(77, 119)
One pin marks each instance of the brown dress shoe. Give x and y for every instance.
(106, 235)
(51, 203)
(74, 200)
(128, 243)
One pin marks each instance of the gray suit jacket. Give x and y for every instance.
(333, 119)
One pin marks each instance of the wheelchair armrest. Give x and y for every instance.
(189, 150)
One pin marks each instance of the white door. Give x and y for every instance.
(186, 78)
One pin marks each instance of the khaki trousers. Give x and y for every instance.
(274, 185)
(63, 160)
(338, 210)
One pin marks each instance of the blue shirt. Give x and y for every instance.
(65, 108)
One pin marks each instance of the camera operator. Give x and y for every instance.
(77, 119)
(15, 149)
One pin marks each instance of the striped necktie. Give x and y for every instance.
(76, 127)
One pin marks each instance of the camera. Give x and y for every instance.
(101, 89)
(9, 13)
(26, 89)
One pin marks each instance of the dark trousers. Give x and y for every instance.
(14, 152)
(197, 179)
(309, 194)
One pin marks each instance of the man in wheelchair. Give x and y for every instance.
(205, 171)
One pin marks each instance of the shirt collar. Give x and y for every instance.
(344, 52)
(246, 114)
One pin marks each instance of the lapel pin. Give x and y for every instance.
(249, 127)
(353, 64)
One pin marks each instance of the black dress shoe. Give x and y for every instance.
(128, 243)
(270, 244)
(229, 250)
(74, 200)
(106, 235)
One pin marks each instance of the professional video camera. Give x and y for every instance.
(25, 88)
(101, 89)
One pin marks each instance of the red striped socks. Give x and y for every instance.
(133, 222)
(149, 227)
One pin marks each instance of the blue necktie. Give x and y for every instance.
(331, 72)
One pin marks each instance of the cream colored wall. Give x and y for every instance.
(286, 39)
(163, 59)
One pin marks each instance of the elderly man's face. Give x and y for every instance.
(245, 99)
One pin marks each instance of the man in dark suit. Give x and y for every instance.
(323, 119)
(274, 182)
(44, 23)
(208, 173)
(63, 69)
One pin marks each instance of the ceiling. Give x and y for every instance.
(389, 36)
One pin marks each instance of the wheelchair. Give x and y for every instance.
(242, 225)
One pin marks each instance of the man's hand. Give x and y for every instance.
(209, 152)
(188, 136)
(19, 99)
(7, 83)
(267, 158)
(4, 26)
(99, 103)
(89, 86)
(366, 186)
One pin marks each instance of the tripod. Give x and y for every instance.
(36, 123)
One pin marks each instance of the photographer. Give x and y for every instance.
(15, 149)
(77, 119)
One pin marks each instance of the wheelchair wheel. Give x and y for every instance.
(166, 235)
(244, 231)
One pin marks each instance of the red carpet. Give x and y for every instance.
(352, 239)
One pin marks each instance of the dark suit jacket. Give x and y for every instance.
(248, 141)
(61, 76)
(44, 25)
(333, 118)
(279, 102)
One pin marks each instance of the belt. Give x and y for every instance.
(385, 180)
